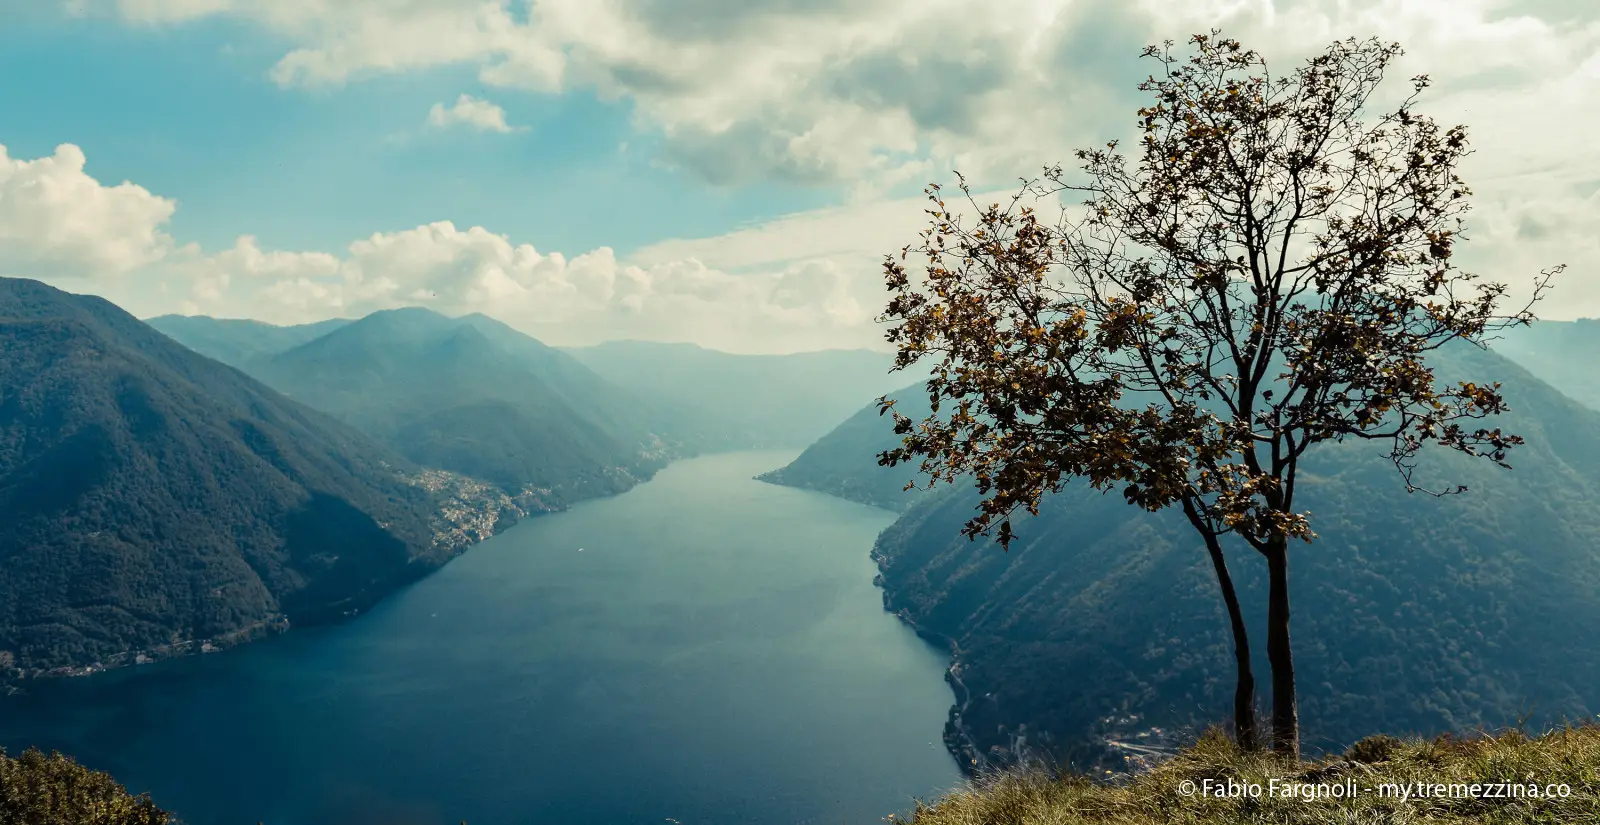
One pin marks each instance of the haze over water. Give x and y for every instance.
(715, 653)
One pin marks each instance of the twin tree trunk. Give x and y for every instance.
(1285, 738)
(1285, 712)
(1244, 691)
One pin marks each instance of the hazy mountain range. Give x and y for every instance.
(704, 399)
(844, 462)
(778, 400)
(239, 342)
(153, 499)
(1565, 354)
(477, 397)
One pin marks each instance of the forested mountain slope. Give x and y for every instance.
(844, 462)
(1411, 613)
(694, 399)
(476, 397)
(150, 496)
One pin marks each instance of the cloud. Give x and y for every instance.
(55, 218)
(872, 95)
(876, 93)
(59, 224)
(472, 112)
(583, 299)
(864, 231)
(804, 281)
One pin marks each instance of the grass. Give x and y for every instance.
(1569, 756)
(36, 789)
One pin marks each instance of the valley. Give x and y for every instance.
(475, 428)
(1017, 623)
(344, 459)
(509, 412)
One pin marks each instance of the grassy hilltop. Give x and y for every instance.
(1173, 792)
(36, 789)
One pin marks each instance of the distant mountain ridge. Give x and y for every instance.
(696, 399)
(844, 462)
(239, 342)
(1564, 354)
(477, 397)
(765, 401)
(1412, 614)
(151, 497)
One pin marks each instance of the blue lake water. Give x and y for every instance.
(715, 653)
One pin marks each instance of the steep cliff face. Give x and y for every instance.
(1412, 614)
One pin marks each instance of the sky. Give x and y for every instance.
(725, 172)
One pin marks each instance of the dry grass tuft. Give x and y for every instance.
(1567, 757)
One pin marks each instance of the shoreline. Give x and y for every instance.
(959, 742)
(467, 512)
(272, 625)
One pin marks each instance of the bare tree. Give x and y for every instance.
(1270, 270)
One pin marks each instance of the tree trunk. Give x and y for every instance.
(1285, 712)
(1244, 691)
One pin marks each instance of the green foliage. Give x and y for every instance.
(1568, 756)
(151, 497)
(36, 789)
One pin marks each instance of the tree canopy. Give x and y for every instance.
(1267, 269)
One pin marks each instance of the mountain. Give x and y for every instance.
(151, 498)
(476, 397)
(696, 399)
(761, 400)
(1412, 614)
(238, 342)
(844, 462)
(1562, 353)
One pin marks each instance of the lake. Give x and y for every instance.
(705, 648)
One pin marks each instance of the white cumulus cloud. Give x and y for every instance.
(869, 94)
(56, 218)
(61, 225)
(472, 112)
(882, 90)
(588, 298)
